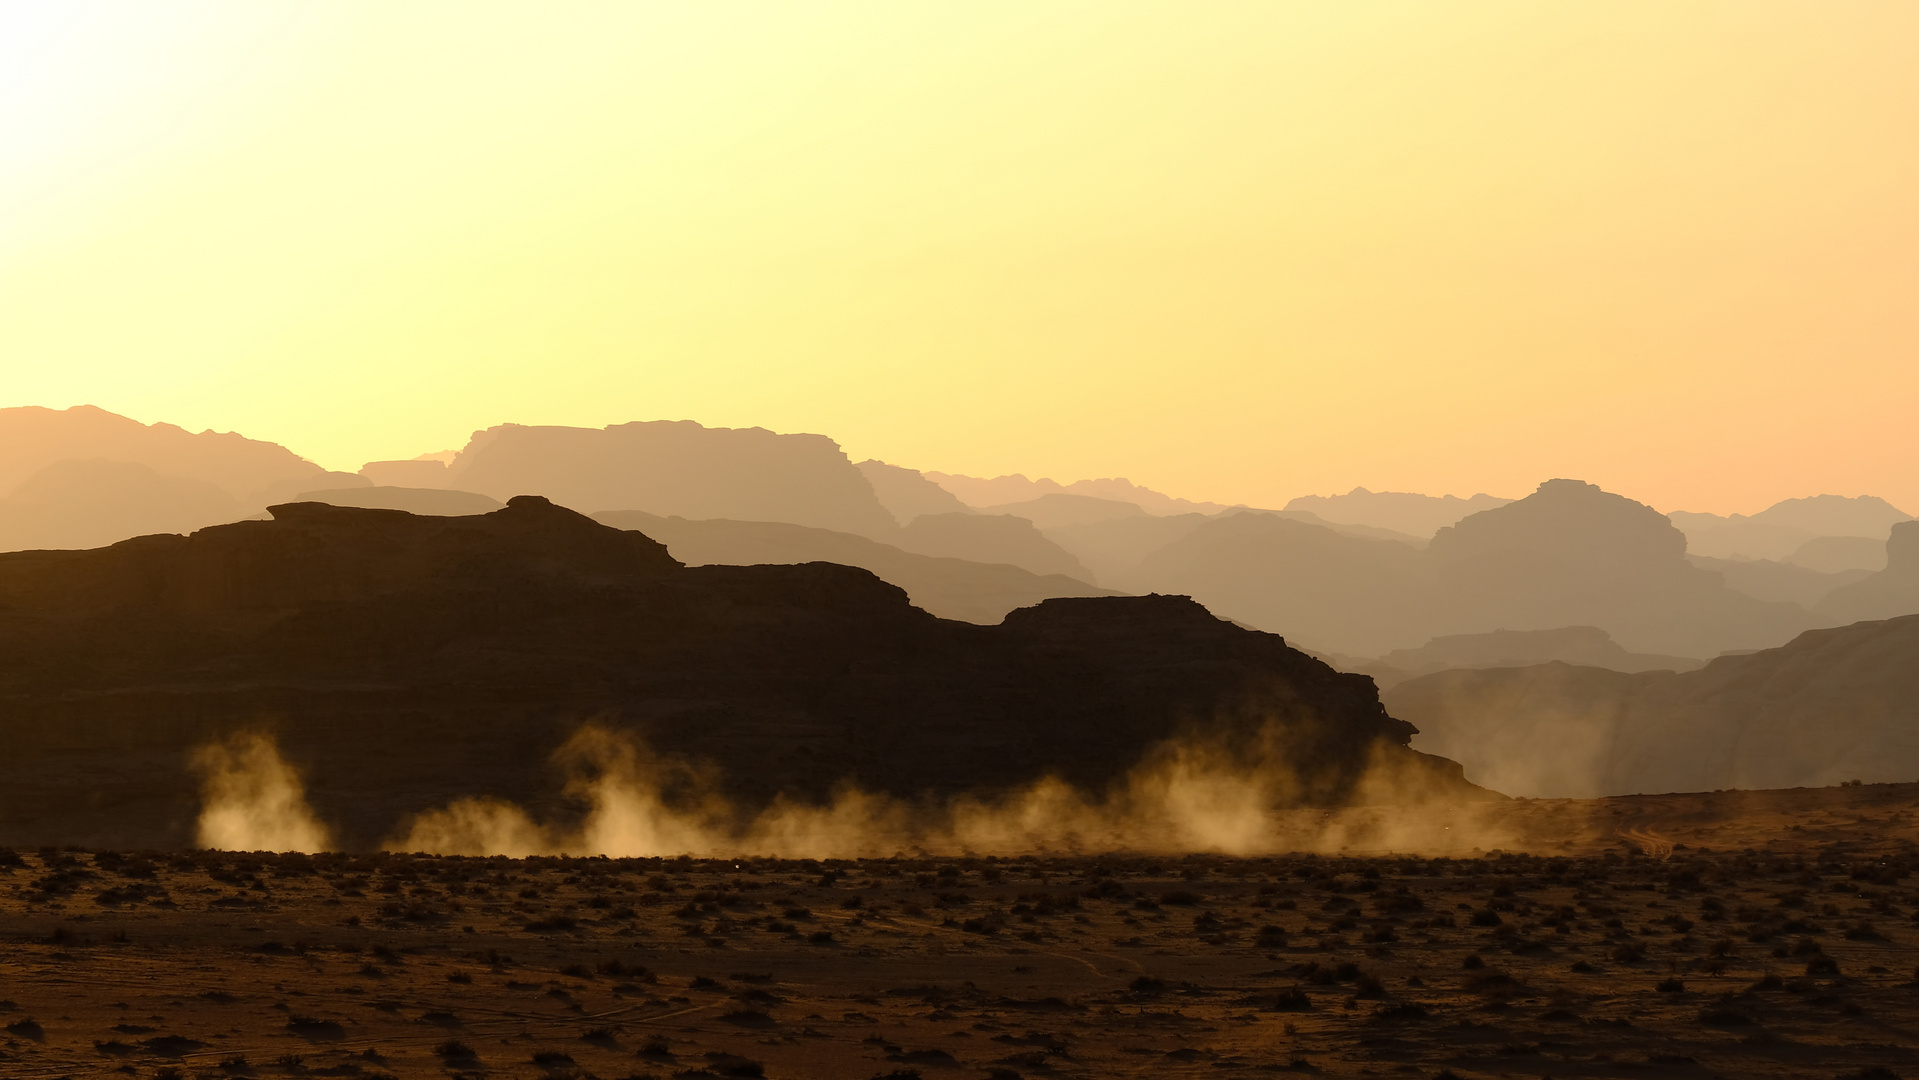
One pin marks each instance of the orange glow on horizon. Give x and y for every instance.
(1237, 252)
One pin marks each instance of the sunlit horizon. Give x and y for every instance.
(1238, 253)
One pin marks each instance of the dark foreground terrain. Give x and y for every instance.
(403, 661)
(1735, 934)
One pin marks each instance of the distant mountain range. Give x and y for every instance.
(1414, 515)
(82, 477)
(1823, 532)
(975, 592)
(1360, 575)
(1567, 555)
(1830, 706)
(1001, 490)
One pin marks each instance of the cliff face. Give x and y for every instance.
(404, 660)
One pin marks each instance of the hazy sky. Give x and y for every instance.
(1235, 251)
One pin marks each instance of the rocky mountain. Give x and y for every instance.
(1402, 512)
(1114, 548)
(421, 473)
(1571, 554)
(1567, 555)
(1840, 554)
(1835, 515)
(906, 493)
(978, 492)
(1891, 592)
(82, 477)
(1782, 529)
(1779, 582)
(1336, 592)
(1830, 706)
(403, 660)
(80, 504)
(32, 438)
(677, 468)
(1117, 548)
(1056, 510)
(950, 588)
(1587, 646)
(989, 538)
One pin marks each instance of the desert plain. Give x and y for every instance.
(1732, 934)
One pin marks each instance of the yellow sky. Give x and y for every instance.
(1235, 251)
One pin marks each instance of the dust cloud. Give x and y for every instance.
(252, 800)
(1185, 796)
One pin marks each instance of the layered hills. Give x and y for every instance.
(1800, 531)
(1330, 572)
(1570, 554)
(949, 588)
(403, 660)
(1830, 706)
(83, 477)
(677, 468)
(1586, 646)
(1891, 592)
(1400, 511)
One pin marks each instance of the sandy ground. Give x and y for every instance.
(1737, 934)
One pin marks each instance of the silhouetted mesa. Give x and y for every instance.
(403, 661)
